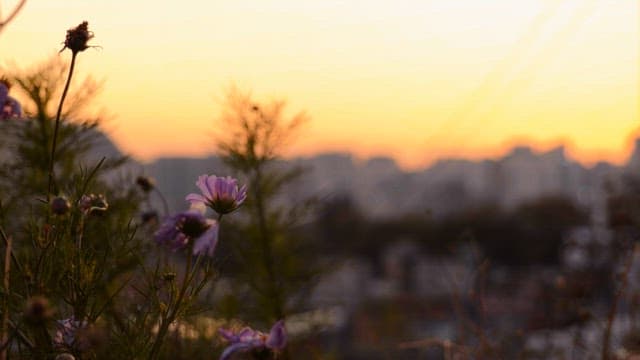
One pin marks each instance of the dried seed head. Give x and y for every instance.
(37, 310)
(146, 183)
(77, 38)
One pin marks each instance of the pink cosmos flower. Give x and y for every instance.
(9, 107)
(249, 339)
(221, 194)
(178, 230)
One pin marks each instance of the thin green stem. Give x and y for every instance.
(57, 126)
(165, 204)
(267, 256)
(166, 322)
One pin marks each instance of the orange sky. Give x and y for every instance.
(414, 79)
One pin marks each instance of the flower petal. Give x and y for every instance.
(195, 198)
(277, 339)
(233, 348)
(211, 185)
(228, 335)
(202, 185)
(242, 195)
(207, 241)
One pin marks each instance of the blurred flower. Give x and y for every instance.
(177, 230)
(77, 38)
(221, 194)
(93, 203)
(145, 183)
(60, 205)
(37, 310)
(249, 339)
(10, 107)
(67, 330)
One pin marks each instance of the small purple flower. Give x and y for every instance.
(9, 107)
(67, 331)
(249, 339)
(177, 230)
(221, 194)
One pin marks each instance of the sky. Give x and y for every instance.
(417, 80)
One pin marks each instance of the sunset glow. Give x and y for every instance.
(413, 79)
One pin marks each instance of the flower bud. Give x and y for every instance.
(93, 204)
(60, 205)
(77, 38)
(37, 310)
(145, 183)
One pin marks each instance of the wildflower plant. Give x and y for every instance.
(80, 280)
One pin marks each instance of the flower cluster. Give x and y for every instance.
(9, 107)
(249, 339)
(221, 194)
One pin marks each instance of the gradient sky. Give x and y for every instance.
(414, 79)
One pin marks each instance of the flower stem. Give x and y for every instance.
(166, 322)
(165, 204)
(57, 126)
(277, 308)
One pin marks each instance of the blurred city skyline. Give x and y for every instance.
(414, 80)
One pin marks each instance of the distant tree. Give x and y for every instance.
(27, 148)
(275, 261)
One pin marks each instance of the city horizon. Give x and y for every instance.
(537, 148)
